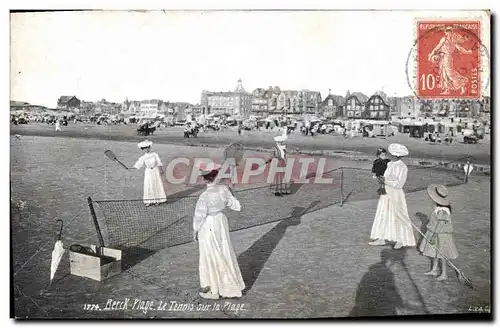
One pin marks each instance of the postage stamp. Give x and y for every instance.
(448, 59)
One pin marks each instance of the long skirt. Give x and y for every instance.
(280, 186)
(218, 268)
(392, 221)
(443, 241)
(153, 187)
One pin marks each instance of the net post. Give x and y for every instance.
(341, 186)
(94, 220)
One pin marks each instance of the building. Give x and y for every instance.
(196, 110)
(179, 111)
(272, 95)
(68, 103)
(105, 107)
(485, 107)
(486, 104)
(260, 102)
(134, 107)
(293, 101)
(426, 107)
(237, 102)
(310, 101)
(217, 102)
(19, 105)
(467, 108)
(464, 108)
(332, 106)
(406, 106)
(377, 107)
(355, 105)
(150, 108)
(282, 102)
(87, 108)
(125, 105)
(243, 102)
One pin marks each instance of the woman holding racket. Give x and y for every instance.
(280, 186)
(219, 272)
(153, 185)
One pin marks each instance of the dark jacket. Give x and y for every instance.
(379, 166)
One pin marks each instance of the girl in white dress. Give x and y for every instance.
(392, 221)
(439, 232)
(153, 185)
(220, 274)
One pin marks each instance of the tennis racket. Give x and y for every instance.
(109, 154)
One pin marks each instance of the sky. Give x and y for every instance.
(174, 55)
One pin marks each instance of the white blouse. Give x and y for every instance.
(150, 160)
(212, 201)
(395, 174)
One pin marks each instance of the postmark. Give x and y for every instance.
(448, 60)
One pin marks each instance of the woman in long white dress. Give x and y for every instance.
(153, 185)
(392, 222)
(280, 186)
(219, 272)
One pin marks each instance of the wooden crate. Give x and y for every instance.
(96, 267)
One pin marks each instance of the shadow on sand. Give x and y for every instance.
(377, 294)
(254, 258)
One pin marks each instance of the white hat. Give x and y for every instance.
(144, 144)
(398, 150)
(206, 168)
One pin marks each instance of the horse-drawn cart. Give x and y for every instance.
(146, 130)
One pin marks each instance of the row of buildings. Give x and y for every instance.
(146, 108)
(273, 100)
(260, 102)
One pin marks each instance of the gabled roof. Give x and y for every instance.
(361, 96)
(382, 95)
(259, 92)
(65, 99)
(336, 98)
(268, 94)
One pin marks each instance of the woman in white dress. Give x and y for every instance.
(153, 185)
(392, 221)
(280, 186)
(220, 274)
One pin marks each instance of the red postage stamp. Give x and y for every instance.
(448, 59)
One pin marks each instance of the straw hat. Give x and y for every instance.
(398, 150)
(145, 144)
(206, 168)
(439, 194)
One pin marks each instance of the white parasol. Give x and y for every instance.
(57, 254)
(468, 168)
